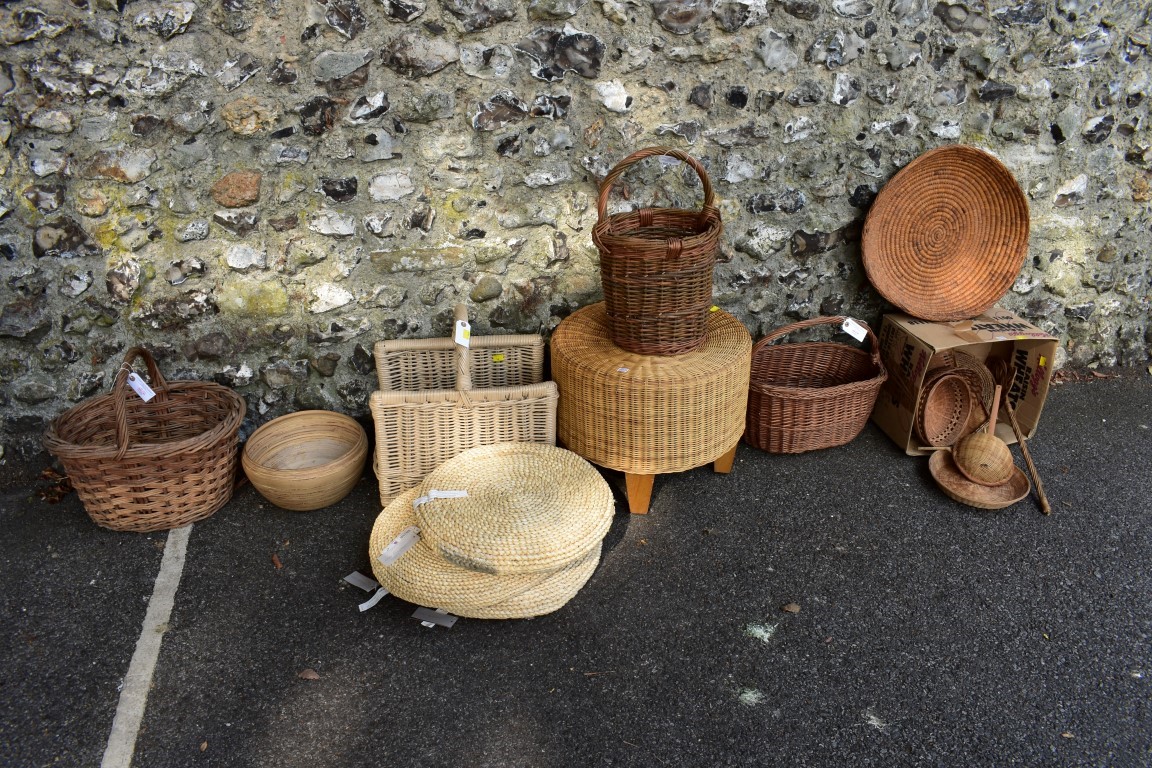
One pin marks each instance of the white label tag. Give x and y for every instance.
(854, 329)
(379, 595)
(463, 333)
(140, 387)
(358, 579)
(622, 370)
(401, 544)
(431, 618)
(435, 494)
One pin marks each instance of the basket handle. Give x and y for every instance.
(120, 393)
(815, 321)
(709, 210)
(463, 359)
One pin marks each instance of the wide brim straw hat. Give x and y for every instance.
(529, 508)
(946, 237)
(422, 577)
(959, 488)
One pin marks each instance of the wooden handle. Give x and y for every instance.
(463, 359)
(995, 407)
(1045, 507)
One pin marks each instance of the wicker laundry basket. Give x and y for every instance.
(811, 395)
(656, 266)
(156, 465)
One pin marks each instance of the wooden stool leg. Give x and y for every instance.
(639, 488)
(723, 465)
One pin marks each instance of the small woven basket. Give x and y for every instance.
(812, 395)
(944, 409)
(156, 465)
(656, 266)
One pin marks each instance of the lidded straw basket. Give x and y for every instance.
(811, 395)
(156, 465)
(656, 266)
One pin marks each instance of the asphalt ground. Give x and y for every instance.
(927, 632)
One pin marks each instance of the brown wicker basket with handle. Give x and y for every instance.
(811, 395)
(156, 465)
(656, 266)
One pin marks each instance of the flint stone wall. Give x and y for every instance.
(259, 190)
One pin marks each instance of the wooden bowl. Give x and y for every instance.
(963, 490)
(306, 460)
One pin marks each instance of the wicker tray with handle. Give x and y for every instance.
(418, 429)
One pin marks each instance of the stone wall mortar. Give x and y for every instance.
(258, 190)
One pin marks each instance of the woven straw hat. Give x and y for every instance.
(946, 237)
(530, 507)
(422, 577)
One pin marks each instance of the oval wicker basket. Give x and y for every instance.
(944, 410)
(656, 266)
(150, 466)
(947, 235)
(306, 460)
(812, 395)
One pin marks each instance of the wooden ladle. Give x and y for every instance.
(982, 457)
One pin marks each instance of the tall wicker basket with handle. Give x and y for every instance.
(656, 266)
(156, 465)
(811, 395)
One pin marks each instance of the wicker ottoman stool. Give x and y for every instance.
(646, 415)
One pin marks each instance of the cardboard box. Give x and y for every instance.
(908, 345)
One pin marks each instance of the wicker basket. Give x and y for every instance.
(417, 430)
(496, 361)
(944, 409)
(656, 266)
(306, 460)
(151, 466)
(946, 237)
(812, 395)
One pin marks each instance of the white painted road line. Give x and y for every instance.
(134, 693)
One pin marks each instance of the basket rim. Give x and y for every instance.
(65, 450)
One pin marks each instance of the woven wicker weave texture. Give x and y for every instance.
(306, 460)
(422, 577)
(656, 266)
(946, 237)
(648, 414)
(417, 430)
(497, 361)
(152, 466)
(811, 395)
(959, 488)
(529, 508)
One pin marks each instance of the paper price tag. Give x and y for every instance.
(497, 358)
(714, 308)
(463, 333)
(622, 370)
(854, 329)
(379, 595)
(399, 545)
(140, 387)
(435, 494)
(432, 618)
(358, 579)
